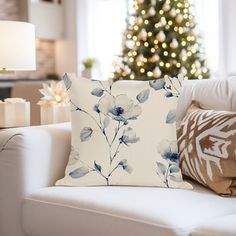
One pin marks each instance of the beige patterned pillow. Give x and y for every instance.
(207, 146)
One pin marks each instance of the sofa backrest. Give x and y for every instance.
(213, 94)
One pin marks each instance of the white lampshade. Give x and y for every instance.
(17, 46)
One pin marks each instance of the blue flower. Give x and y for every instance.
(119, 108)
(168, 150)
(129, 136)
(172, 156)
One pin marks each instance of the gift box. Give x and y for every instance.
(54, 114)
(14, 112)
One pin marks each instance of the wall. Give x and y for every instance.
(67, 50)
(228, 37)
(45, 50)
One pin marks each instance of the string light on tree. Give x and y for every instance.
(161, 41)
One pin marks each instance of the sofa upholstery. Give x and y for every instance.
(33, 158)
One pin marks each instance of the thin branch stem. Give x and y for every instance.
(3, 147)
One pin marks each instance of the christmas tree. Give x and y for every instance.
(161, 41)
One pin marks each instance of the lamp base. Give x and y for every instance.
(4, 71)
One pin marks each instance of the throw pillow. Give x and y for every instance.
(207, 145)
(123, 133)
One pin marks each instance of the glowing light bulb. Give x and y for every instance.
(150, 74)
(155, 41)
(178, 65)
(165, 53)
(132, 76)
(179, 4)
(200, 77)
(136, 27)
(129, 36)
(167, 65)
(143, 12)
(164, 45)
(183, 43)
(139, 63)
(131, 59)
(161, 63)
(153, 50)
(173, 54)
(161, 12)
(146, 44)
(142, 70)
(146, 22)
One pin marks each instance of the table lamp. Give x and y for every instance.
(17, 53)
(17, 46)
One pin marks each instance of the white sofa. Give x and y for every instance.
(32, 159)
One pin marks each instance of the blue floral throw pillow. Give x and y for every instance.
(123, 133)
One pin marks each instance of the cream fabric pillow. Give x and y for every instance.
(123, 133)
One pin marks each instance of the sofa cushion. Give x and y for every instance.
(117, 211)
(215, 94)
(110, 143)
(222, 226)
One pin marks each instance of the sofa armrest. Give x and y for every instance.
(30, 158)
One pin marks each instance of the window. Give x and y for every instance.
(106, 24)
(207, 19)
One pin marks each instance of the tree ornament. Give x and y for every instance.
(139, 21)
(174, 44)
(153, 2)
(130, 44)
(154, 58)
(156, 72)
(140, 58)
(172, 12)
(151, 11)
(183, 71)
(163, 21)
(197, 63)
(183, 53)
(143, 34)
(166, 6)
(179, 18)
(199, 71)
(161, 36)
(140, 1)
(127, 70)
